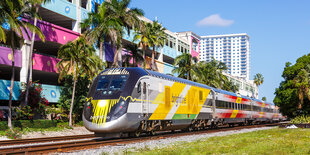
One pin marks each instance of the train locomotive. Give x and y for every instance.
(134, 101)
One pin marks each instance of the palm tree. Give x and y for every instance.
(210, 73)
(185, 65)
(230, 86)
(134, 53)
(158, 41)
(36, 4)
(129, 18)
(105, 28)
(11, 11)
(258, 79)
(2, 21)
(145, 38)
(302, 83)
(77, 59)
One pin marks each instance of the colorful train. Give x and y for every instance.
(134, 101)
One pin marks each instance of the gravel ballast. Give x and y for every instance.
(119, 149)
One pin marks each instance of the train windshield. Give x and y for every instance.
(111, 83)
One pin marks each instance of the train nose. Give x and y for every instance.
(119, 125)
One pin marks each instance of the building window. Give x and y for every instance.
(84, 3)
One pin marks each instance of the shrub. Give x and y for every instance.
(14, 133)
(303, 119)
(36, 102)
(29, 124)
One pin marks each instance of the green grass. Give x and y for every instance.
(27, 128)
(273, 141)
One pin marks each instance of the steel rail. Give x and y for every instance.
(45, 139)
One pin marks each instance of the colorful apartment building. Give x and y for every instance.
(61, 23)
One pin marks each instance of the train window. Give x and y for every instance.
(103, 83)
(200, 95)
(209, 102)
(139, 87)
(144, 88)
(118, 82)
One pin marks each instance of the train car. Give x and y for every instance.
(134, 101)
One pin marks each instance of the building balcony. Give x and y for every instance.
(54, 33)
(84, 14)
(6, 56)
(62, 7)
(44, 63)
(50, 92)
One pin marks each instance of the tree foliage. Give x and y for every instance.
(208, 73)
(258, 79)
(82, 87)
(293, 95)
(77, 59)
(185, 66)
(11, 12)
(134, 53)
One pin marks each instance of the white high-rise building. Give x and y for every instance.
(232, 49)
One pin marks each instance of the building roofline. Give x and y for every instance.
(225, 35)
(191, 32)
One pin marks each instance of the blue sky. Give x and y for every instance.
(279, 30)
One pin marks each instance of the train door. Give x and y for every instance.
(145, 98)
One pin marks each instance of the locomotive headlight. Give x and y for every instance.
(102, 103)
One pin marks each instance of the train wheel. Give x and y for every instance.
(152, 133)
(135, 134)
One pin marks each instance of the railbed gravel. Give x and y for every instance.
(161, 143)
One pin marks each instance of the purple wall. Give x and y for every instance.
(54, 33)
(6, 56)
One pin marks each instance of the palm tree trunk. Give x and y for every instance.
(12, 85)
(30, 58)
(119, 56)
(144, 62)
(187, 76)
(154, 67)
(101, 50)
(115, 59)
(72, 101)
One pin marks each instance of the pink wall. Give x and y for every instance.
(44, 63)
(54, 33)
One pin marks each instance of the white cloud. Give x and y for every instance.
(215, 20)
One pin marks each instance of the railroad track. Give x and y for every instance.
(68, 146)
(46, 139)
